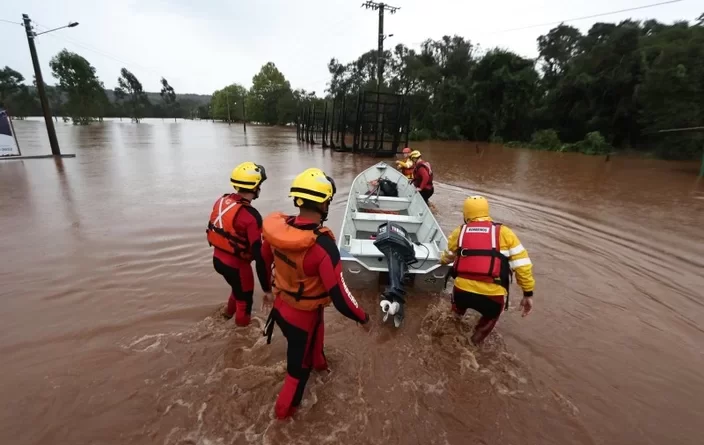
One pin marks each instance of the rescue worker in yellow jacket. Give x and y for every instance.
(485, 253)
(406, 165)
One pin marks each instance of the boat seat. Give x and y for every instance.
(383, 198)
(383, 217)
(390, 203)
(370, 222)
(361, 247)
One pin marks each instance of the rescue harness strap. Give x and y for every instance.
(298, 295)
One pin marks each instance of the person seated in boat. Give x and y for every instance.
(405, 164)
(422, 175)
(234, 231)
(485, 253)
(307, 277)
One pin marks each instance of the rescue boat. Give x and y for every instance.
(387, 224)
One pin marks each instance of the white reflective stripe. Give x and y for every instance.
(493, 237)
(518, 263)
(516, 250)
(459, 243)
(505, 252)
(219, 218)
(222, 213)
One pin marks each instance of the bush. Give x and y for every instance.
(546, 139)
(496, 139)
(594, 143)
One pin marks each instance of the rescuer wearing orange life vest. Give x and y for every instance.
(307, 277)
(406, 164)
(422, 176)
(234, 231)
(484, 254)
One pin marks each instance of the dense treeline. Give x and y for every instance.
(82, 97)
(614, 86)
(270, 101)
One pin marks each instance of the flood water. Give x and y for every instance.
(110, 334)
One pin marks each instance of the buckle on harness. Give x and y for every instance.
(269, 327)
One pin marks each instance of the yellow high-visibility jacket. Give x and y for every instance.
(406, 167)
(511, 247)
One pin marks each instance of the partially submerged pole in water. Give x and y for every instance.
(229, 119)
(53, 141)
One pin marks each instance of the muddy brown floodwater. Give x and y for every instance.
(109, 331)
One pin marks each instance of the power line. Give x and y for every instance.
(8, 21)
(588, 16)
(108, 56)
(98, 51)
(557, 22)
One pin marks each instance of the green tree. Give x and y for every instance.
(168, 97)
(226, 104)
(268, 101)
(23, 103)
(671, 93)
(616, 85)
(505, 89)
(10, 82)
(131, 92)
(78, 81)
(556, 49)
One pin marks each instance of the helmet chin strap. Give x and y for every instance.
(323, 213)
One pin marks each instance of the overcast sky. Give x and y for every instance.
(203, 45)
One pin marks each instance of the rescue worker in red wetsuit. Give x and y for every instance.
(422, 176)
(405, 164)
(234, 231)
(485, 253)
(307, 277)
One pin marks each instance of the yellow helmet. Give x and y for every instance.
(247, 176)
(475, 207)
(313, 185)
(415, 154)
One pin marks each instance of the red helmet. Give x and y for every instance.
(406, 150)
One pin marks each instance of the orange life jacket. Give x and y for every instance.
(221, 228)
(290, 245)
(479, 256)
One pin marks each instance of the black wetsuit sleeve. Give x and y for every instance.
(254, 236)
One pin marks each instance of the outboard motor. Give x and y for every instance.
(393, 241)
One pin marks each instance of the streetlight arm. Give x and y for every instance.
(70, 25)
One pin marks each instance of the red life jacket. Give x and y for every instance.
(479, 256)
(417, 179)
(221, 228)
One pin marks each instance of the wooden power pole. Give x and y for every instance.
(381, 7)
(53, 141)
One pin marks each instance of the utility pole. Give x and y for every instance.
(244, 115)
(40, 87)
(381, 7)
(229, 119)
